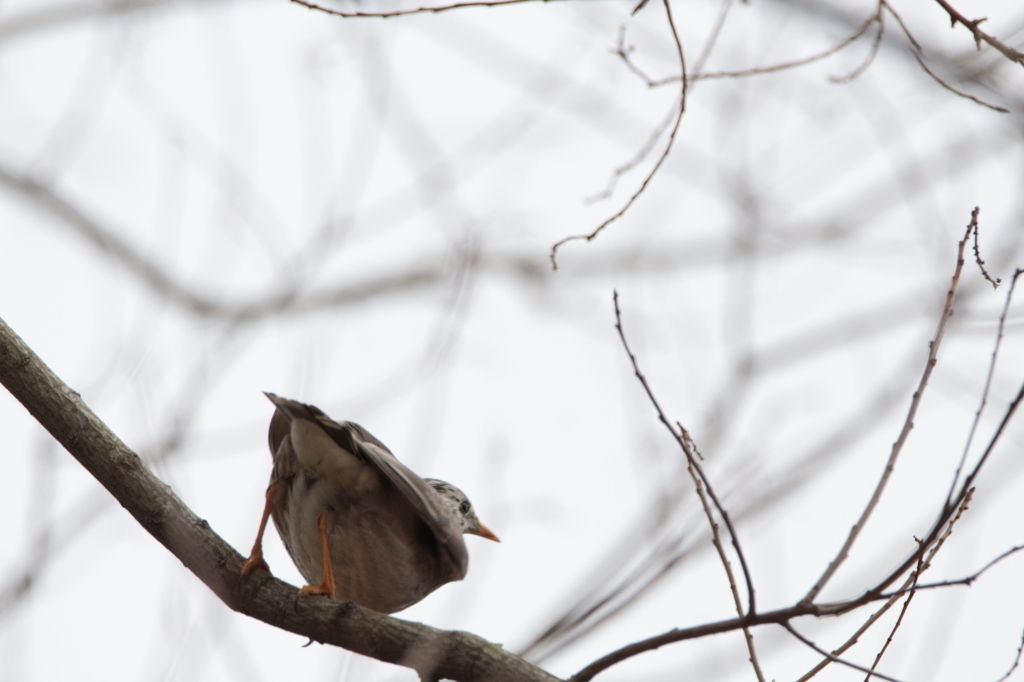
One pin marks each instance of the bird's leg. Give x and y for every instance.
(256, 556)
(325, 588)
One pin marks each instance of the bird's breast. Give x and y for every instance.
(383, 555)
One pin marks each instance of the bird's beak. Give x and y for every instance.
(483, 531)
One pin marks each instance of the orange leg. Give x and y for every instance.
(256, 556)
(325, 588)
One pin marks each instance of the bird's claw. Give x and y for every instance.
(321, 589)
(254, 562)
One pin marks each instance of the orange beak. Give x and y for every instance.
(483, 531)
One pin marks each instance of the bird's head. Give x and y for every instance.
(463, 508)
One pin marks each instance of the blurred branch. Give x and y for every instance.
(716, 31)
(48, 16)
(432, 653)
(164, 285)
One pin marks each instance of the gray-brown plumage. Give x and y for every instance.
(393, 537)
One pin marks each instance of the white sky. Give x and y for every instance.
(249, 150)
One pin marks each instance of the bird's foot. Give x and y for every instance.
(255, 561)
(326, 589)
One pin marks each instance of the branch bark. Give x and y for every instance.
(432, 653)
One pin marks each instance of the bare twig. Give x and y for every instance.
(716, 539)
(919, 55)
(977, 252)
(690, 458)
(661, 159)
(915, 576)
(988, 385)
(966, 581)
(1016, 661)
(777, 617)
(908, 424)
(417, 10)
(909, 587)
(947, 511)
(923, 565)
(979, 35)
(834, 658)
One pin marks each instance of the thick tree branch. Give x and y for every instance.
(432, 653)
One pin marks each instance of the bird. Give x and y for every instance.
(359, 525)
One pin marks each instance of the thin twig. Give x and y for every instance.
(977, 574)
(977, 252)
(716, 539)
(931, 544)
(910, 585)
(834, 658)
(661, 159)
(417, 10)
(908, 424)
(777, 617)
(915, 578)
(947, 511)
(979, 35)
(988, 385)
(1016, 661)
(899, 620)
(919, 55)
(966, 581)
(688, 451)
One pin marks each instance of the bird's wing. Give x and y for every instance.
(286, 464)
(361, 443)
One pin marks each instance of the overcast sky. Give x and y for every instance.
(200, 201)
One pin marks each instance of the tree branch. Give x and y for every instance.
(908, 424)
(430, 652)
(979, 35)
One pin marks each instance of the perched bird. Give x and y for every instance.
(358, 523)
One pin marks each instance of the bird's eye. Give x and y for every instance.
(464, 507)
